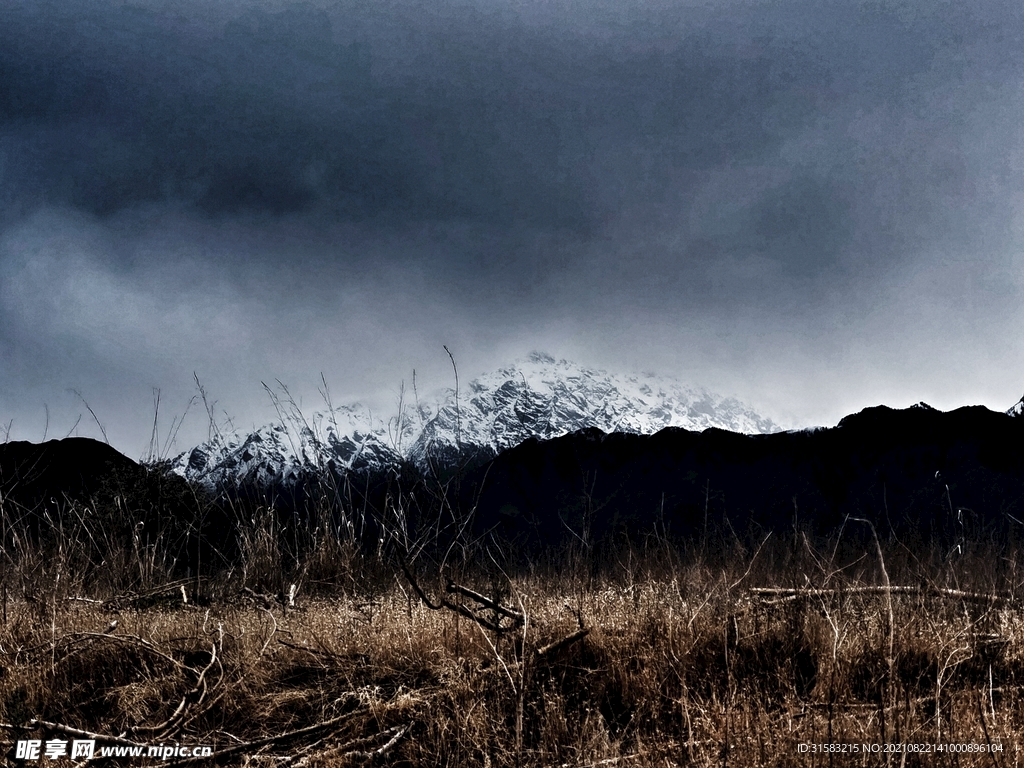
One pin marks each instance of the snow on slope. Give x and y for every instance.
(349, 438)
(1017, 409)
(536, 397)
(545, 398)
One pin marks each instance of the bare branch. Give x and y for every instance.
(566, 641)
(788, 593)
(61, 728)
(486, 601)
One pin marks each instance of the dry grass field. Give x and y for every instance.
(777, 652)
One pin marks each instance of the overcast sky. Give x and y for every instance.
(812, 205)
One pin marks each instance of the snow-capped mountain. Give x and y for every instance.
(1017, 409)
(544, 398)
(348, 438)
(536, 397)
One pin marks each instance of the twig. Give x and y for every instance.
(269, 636)
(399, 733)
(36, 723)
(752, 560)
(265, 601)
(793, 593)
(12, 727)
(249, 745)
(486, 601)
(138, 641)
(417, 588)
(984, 728)
(184, 707)
(459, 608)
(93, 413)
(497, 655)
(564, 642)
(458, 416)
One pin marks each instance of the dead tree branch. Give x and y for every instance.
(785, 594)
(281, 737)
(61, 728)
(486, 601)
(565, 642)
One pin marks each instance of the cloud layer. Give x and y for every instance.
(813, 205)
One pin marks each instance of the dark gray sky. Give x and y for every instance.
(813, 205)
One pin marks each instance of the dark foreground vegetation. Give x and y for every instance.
(385, 626)
(720, 652)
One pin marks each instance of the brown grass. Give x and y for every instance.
(684, 663)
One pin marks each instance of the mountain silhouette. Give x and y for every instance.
(914, 472)
(81, 487)
(921, 474)
(75, 469)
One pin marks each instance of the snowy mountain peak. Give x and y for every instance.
(543, 397)
(538, 396)
(1017, 409)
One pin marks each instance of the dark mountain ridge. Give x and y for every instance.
(74, 468)
(918, 473)
(85, 489)
(914, 472)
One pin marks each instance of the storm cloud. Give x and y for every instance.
(812, 205)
